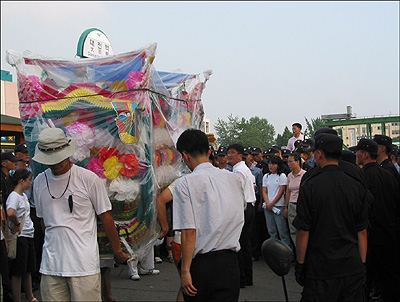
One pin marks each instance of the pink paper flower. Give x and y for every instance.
(96, 166)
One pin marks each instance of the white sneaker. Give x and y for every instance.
(148, 271)
(135, 277)
(157, 260)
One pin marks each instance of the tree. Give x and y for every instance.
(255, 132)
(282, 140)
(313, 126)
(227, 131)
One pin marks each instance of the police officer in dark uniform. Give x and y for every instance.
(382, 258)
(385, 147)
(258, 157)
(331, 225)
(222, 159)
(352, 170)
(255, 240)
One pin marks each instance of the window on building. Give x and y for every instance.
(395, 124)
(378, 127)
(395, 132)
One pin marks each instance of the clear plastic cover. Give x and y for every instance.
(125, 117)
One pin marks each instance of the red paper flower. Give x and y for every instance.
(106, 153)
(131, 165)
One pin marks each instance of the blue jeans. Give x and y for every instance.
(276, 225)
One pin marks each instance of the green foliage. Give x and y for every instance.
(282, 140)
(313, 126)
(253, 132)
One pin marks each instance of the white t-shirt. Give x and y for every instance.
(210, 200)
(70, 246)
(292, 140)
(248, 181)
(273, 182)
(21, 205)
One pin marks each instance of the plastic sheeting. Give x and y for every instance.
(125, 117)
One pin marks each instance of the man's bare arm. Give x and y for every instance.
(301, 245)
(112, 235)
(162, 199)
(362, 244)
(188, 239)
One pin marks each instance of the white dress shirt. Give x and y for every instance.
(210, 200)
(248, 181)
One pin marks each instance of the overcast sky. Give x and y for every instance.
(282, 61)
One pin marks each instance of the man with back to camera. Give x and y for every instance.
(352, 170)
(385, 147)
(296, 128)
(248, 180)
(331, 227)
(68, 197)
(208, 209)
(383, 270)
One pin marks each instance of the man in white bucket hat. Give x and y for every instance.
(68, 197)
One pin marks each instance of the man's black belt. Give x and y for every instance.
(215, 252)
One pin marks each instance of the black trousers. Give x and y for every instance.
(4, 269)
(38, 241)
(245, 253)
(216, 277)
(259, 232)
(334, 290)
(383, 271)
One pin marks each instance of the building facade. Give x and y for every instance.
(351, 134)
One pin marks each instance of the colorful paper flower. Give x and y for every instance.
(131, 165)
(96, 166)
(83, 134)
(125, 189)
(112, 167)
(106, 153)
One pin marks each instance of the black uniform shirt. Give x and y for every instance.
(350, 169)
(263, 165)
(382, 211)
(388, 165)
(332, 207)
(5, 188)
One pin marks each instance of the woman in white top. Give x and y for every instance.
(292, 191)
(273, 188)
(18, 212)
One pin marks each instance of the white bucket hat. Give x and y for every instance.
(53, 146)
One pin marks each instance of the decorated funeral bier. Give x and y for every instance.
(125, 117)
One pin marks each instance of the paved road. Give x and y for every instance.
(163, 287)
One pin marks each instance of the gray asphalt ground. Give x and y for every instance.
(267, 286)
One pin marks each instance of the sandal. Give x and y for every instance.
(33, 300)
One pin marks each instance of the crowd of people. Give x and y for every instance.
(337, 210)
